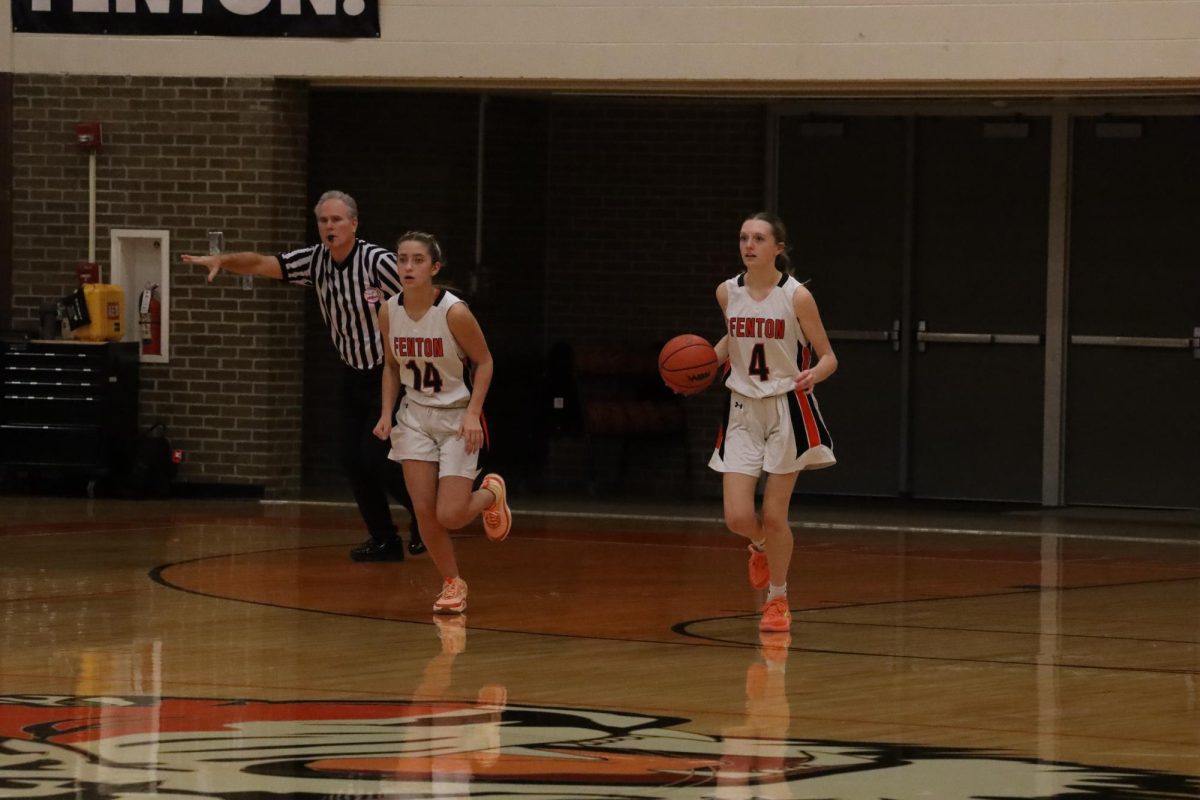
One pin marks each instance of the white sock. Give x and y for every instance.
(760, 546)
(776, 591)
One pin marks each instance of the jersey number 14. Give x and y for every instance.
(429, 382)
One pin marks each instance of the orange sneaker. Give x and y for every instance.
(776, 616)
(497, 518)
(760, 569)
(453, 599)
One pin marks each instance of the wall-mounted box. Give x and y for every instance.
(141, 263)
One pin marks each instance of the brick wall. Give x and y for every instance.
(186, 155)
(604, 221)
(645, 202)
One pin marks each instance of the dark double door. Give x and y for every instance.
(925, 240)
(1133, 359)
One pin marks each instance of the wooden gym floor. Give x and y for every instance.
(231, 649)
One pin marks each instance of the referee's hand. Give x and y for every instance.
(213, 263)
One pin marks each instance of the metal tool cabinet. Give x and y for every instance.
(68, 408)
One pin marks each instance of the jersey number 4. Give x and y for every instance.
(758, 362)
(430, 381)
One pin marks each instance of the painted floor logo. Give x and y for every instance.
(140, 747)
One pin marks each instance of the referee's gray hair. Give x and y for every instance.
(334, 194)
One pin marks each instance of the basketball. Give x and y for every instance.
(688, 364)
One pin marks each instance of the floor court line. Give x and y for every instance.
(803, 524)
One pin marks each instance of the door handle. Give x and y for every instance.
(860, 336)
(1016, 338)
(892, 336)
(1147, 342)
(924, 336)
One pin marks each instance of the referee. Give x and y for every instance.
(352, 279)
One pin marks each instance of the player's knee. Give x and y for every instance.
(452, 518)
(741, 522)
(775, 520)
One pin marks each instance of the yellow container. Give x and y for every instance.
(106, 308)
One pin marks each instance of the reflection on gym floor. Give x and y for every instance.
(232, 650)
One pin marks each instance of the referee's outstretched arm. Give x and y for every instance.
(242, 263)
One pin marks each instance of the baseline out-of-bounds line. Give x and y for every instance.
(805, 524)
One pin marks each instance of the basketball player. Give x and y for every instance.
(436, 349)
(777, 351)
(351, 278)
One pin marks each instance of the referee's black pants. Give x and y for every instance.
(372, 475)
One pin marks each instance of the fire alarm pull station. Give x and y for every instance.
(88, 136)
(87, 272)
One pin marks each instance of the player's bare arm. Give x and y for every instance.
(390, 389)
(470, 337)
(722, 348)
(809, 318)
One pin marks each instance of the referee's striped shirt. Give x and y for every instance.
(349, 294)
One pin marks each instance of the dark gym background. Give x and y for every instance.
(1011, 287)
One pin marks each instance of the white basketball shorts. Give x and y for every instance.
(780, 434)
(425, 433)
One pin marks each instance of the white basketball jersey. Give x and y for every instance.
(767, 348)
(433, 367)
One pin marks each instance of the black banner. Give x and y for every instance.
(273, 18)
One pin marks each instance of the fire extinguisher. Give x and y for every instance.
(150, 319)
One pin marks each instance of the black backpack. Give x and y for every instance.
(153, 468)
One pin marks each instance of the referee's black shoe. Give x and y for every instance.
(379, 550)
(416, 545)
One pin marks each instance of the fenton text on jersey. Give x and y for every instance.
(756, 328)
(417, 347)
